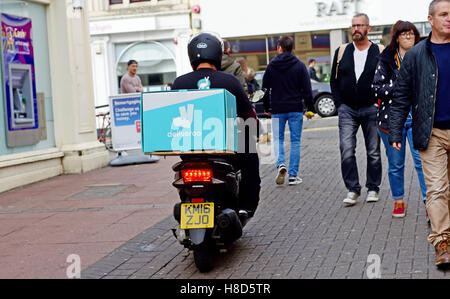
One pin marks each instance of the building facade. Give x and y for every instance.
(318, 26)
(47, 109)
(155, 33)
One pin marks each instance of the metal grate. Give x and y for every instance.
(100, 191)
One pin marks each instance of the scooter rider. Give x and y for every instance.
(205, 54)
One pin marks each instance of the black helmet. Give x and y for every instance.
(205, 47)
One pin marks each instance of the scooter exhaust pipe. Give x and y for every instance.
(229, 225)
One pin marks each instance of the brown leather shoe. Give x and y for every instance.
(442, 254)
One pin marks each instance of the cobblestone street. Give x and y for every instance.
(299, 232)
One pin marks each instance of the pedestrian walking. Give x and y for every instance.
(351, 79)
(231, 66)
(252, 83)
(287, 81)
(249, 75)
(312, 70)
(404, 35)
(423, 85)
(130, 82)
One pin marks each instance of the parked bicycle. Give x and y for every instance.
(104, 127)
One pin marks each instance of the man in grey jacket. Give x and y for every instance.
(130, 82)
(230, 66)
(423, 85)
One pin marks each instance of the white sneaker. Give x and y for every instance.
(372, 196)
(295, 180)
(281, 174)
(351, 199)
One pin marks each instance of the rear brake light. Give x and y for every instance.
(197, 200)
(196, 175)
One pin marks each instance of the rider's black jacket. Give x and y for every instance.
(217, 79)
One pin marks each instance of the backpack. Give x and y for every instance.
(341, 54)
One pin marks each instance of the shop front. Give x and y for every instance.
(156, 40)
(26, 94)
(47, 126)
(318, 27)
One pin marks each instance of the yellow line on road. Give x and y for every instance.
(310, 130)
(320, 129)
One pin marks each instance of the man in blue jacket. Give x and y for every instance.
(423, 86)
(288, 84)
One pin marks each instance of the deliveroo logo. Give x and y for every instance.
(186, 117)
(204, 83)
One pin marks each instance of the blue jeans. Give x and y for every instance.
(396, 161)
(350, 120)
(295, 121)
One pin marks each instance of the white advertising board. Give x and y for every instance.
(125, 113)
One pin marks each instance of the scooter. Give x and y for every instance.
(208, 215)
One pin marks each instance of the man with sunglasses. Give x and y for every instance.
(351, 78)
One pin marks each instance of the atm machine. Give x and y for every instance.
(21, 96)
(21, 104)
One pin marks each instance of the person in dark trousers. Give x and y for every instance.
(404, 35)
(312, 70)
(423, 86)
(206, 63)
(357, 107)
(287, 81)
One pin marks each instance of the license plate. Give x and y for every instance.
(197, 215)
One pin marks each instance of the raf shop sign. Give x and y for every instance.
(337, 8)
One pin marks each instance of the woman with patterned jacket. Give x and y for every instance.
(404, 35)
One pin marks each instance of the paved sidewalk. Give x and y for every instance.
(89, 215)
(118, 221)
(299, 232)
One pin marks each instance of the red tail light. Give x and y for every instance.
(197, 200)
(197, 175)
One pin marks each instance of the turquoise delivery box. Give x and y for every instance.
(189, 121)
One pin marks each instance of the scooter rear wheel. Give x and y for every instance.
(204, 257)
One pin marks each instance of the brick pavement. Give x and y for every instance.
(89, 215)
(298, 232)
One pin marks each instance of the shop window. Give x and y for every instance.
(320, 41)
(111, 2)
(257, 51)
(248, 46)
(427, 29)
(156, 63)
